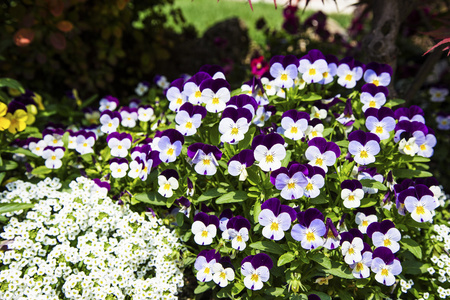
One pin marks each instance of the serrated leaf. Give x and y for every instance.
(8, 165)
(413, 247)
(371, 183)
(268, 246)
(151, 198)
(321, 259)
(408, 173)
(41, 170)
(232, 197)
(11, 83)
(285, 258)
(9, 207)
(415, 158)
(225, 292)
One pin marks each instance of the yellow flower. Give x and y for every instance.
(18, 121)
(38, 99)
(31, 112)
(4, 122)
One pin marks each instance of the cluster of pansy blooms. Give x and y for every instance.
(304, 177)
(79, 244)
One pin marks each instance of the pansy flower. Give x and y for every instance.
(205, 158)
(312, 66)
(373, 96)
(438, 94)
(255, 269)
(136, 166)
(352, 193)
(331, 70)
(385, 265)
(134, 103)
(294, 124)
(321, 153)
(259, 66)
(215, 94)
(378, 74)
(443, 121)
(53, 137)
(129, 117)
(364, 146)
(347, 118)
(411, 114)
(237, 232)
(364, 220)
(349, 72)
(384, 234)
(85, 140)
(318, 113)
(52, 156)
(315, 177)
(223, 272)
(167, 182)
(421, 204)
(38, 147)
(234, 124)
(275, 218)
(141, 88)
(108, 103)
(402, 190)
(315, 129)
(269, 151)
(238, 164)
(190, 187)
(204, 263)
(161, 81)
(174, 94)
(270, 88)
(255, 89)
(100, 188)
(380, 121)
(361, 269)
(310, 229)
(432, 184)
(215, 71)
(118, 167)
(119, 143)
(352, 245)
(426, 145)
(185, 206)
(169, 145)
(224, 217)
(369, 173)
(332, 236)
(244, 101)
(291, 182)
(110, 120)
(191, 88)
(204, 228)
(284, 70)
(263, 113)
(189, 118)
(145, 113)
(409, 135)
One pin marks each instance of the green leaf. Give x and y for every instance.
(394, 102)
(367, 202)
(268, 246)
(41, 170)
(413, 224)
(151, 198)
(341, 271)
(344, 295)
(2, 176)
(343, 144)
(371, 183)
(11, 83)
(214, 135)
(408, 173)
(327, 131)
(253, 177)
(412, 267)
(21, 151)
(320, 199)
(201, 288)
(286, 159)
(321, 259)
(310, 97)
(9, 207)
(89, 101)
(180, 219)
(413, 247)
(8, 165)
(285, 258)
(277, 292)
(232, 197)
(248, 138)
(225, 292)
(322, 295)
(256, 212)
(211, 193)
(415, 158)
(237, 288)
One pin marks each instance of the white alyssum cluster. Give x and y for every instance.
(76, 245)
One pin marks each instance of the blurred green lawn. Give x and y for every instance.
(202, 14)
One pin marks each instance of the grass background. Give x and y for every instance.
(202, 14)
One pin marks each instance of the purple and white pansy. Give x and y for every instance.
(223, 271)
(312, 66)
(411, 114)
(191, 88)
(384, 234)
(352, 193)
(332, 237)
(205, 158)
(84, 142)
(385, 266)
(175, 94)
(331, 71)
(420, 202)
(349, 72)
(53, 156)
(204, 264)
(316, 180)
(167, 182)
(238, 164)
(290, 181)
(119, 143)
(269, 151)
(255, 269)
(118, 167)
(53, 137)
(237, 232)
(361, 269)
(284, 70)
(380, 121)
(204, 228)
(378, 74)
(364, 146)
(352, 246)
(129, 117)
(189, 118)
(294, 124)
(310, 229)
(100, 188)
(110, 121)
(364, 219)
(275, 218)
(145, 113)
(169, 145)
(244, 101)
(321, 153)
(215, 94)
(373, 96)
(234, 124)
(108, 103)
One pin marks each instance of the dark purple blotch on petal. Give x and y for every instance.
(385, 254)
(169, 173)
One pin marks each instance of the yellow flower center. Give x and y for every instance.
(198, 94)
(359, 266)
(387, 242)
(284, 77)
(179, 100)
(312, 71)
(239, 238)
(351, 251)
(309, 187)
(268, 87)
(269, 158)
(170, 151)
(310, 237)
(189, 125)
(119, 147)
(423, 147)
(234, 131)
(167, 186)
(294, 129)
(408, 147)
(372, 104)
(385, 272)
(325, 74)
(420, 210)
(223, 275)
(291, 185)
(274, 226)
(119, 170)
(204, 233)
(38, 148)
(365, 223)
(55, 141)
(319, 161)
(379, 129)
(206, 161)
(85, 145)
(215, 100)
(376, 82)
(255, 277)
(207, 270)
(53, 157)
(317, 115)
(110, 124)
(364, 154)
(351, 198)
(348, 77)
(314, 133)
